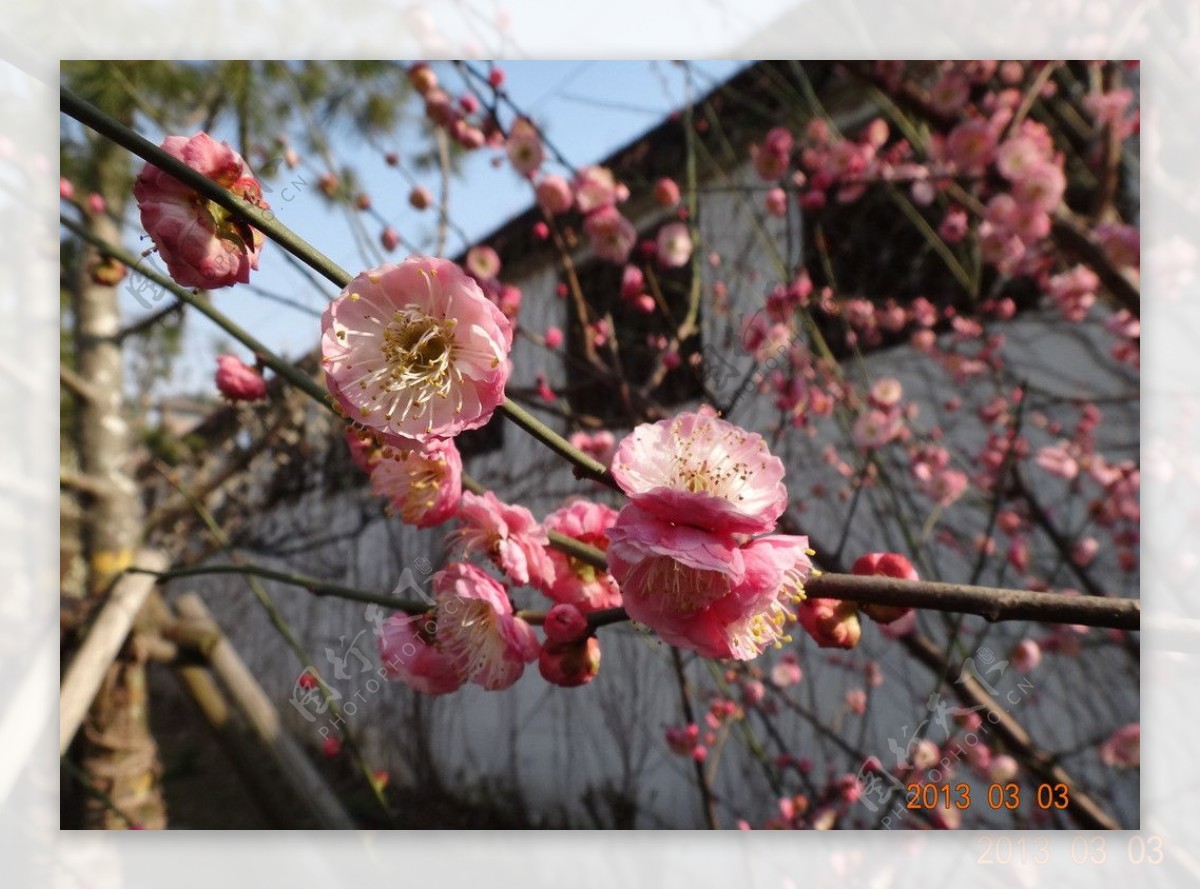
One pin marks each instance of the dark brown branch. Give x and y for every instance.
(992, 603)
(972, 694)
(706, 795)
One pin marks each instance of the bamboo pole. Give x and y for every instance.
(86, 672)
(265, 723)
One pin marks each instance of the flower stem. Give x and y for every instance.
(585, 465)
(280, 366)
(315, 586)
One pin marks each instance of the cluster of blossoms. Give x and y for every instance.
(996, 170)
(684, 550)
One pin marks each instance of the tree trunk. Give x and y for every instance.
(116, 749)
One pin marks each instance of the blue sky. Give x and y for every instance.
(588, 109)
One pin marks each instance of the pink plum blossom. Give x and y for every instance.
(776, 202)
(698, 469)
(972, 145)
(666, 192)
(786, 672)
(424, 485)
(238, 381)
(601, 444)
(874, 429)
(524, 148)
(1003, 768)
(949, 93)
(416, 350)
(612, 236)
(856, 701)
(1041, 187)
(483, 261)
(700, 590)
(1026, 655)
(886, 393)
(508, 535)
(1017, 156)
(674, 245)
(365, 451)
(1057, 460)
(471, 635)
(202, 243)
(575, 581)
(554, 194)
(595, 188)
(771, 159)
(1123, 748)
(633, 282)
(670, 575)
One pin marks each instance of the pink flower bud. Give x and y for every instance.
(553, 337)
(666, 192)
(776, 201)
(564, 623)
(389, 238)
(422, 78)
(419, 197)
(238, 381)
(570, 664)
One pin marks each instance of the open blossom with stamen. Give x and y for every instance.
(670, 575)
(698, 469)
(416, 350)
(674, 245)
(575, 581)
(483, 261)
(202, 243)
(776, 568)
(704, 591)
(509, 536)
(612, 235)
(470, 636)
(424, 485)
(524, 148)
(595, 187)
